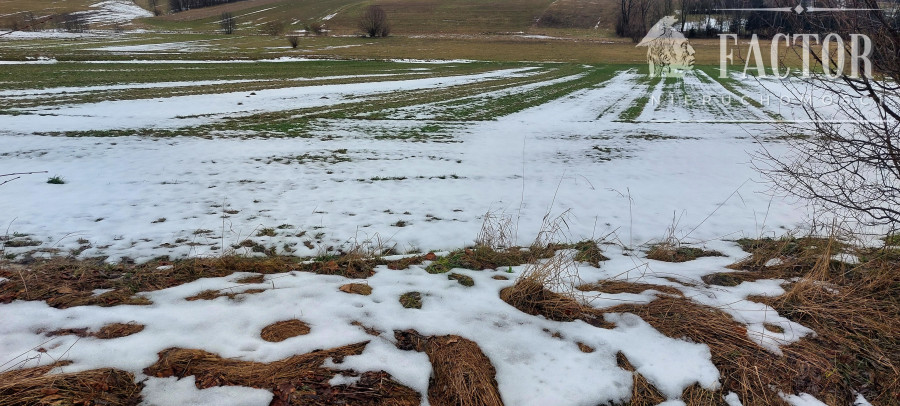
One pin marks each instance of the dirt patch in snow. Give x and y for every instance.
(282, 330)
(462, 374)
(297, 380)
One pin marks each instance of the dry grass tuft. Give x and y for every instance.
(282, 330)
(547, 286)
(462, 374)
(298, 380)
(109, 331)
(613, 287)
(357, 289)
(118, 330)
(497, 231)
(95, 387)
(411, 300)
(678, 253)
(482, 258)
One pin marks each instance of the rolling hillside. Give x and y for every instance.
(408, 17)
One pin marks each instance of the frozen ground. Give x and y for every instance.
(615, 155)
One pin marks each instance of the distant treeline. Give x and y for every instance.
(182, 5)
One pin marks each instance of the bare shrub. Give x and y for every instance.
(315, 28)
(374, 22)
(227, 23)
(847, 162)
(294, 40)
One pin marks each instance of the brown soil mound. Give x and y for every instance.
(95, 387)
(463, 375)
(298, 380)
(282, 330)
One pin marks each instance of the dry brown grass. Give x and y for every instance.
(357, 289)
(67, 282)
(298, 380)
(109, 331)
(613, 287)
(678, 253)
(462, 375)
(282, 330)
(95, 387)
(214, 294)
(854, 312)
(746, 368)
(118, 330)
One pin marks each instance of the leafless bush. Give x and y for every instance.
(294, 40)
(374, 22)
(227, 22)
(849, 162)
(315, 28)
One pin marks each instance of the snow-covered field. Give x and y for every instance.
(617, 156)
(575, 153)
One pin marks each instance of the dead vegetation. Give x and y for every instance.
(282, 330)
(852, 308)
(297, 380)
(107, 332)
(411, 300)
(356, 289)
(34, 386)
(230, 294)
(69, 282)
(614, 287)
(462, 375)
(668, 252)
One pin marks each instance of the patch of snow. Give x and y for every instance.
(98, 292)
(174, 391)
(114, 12)
(803, 399)
(733, 399)
(774, 262)
(846, 258)
(345, 380)
(861, 401)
